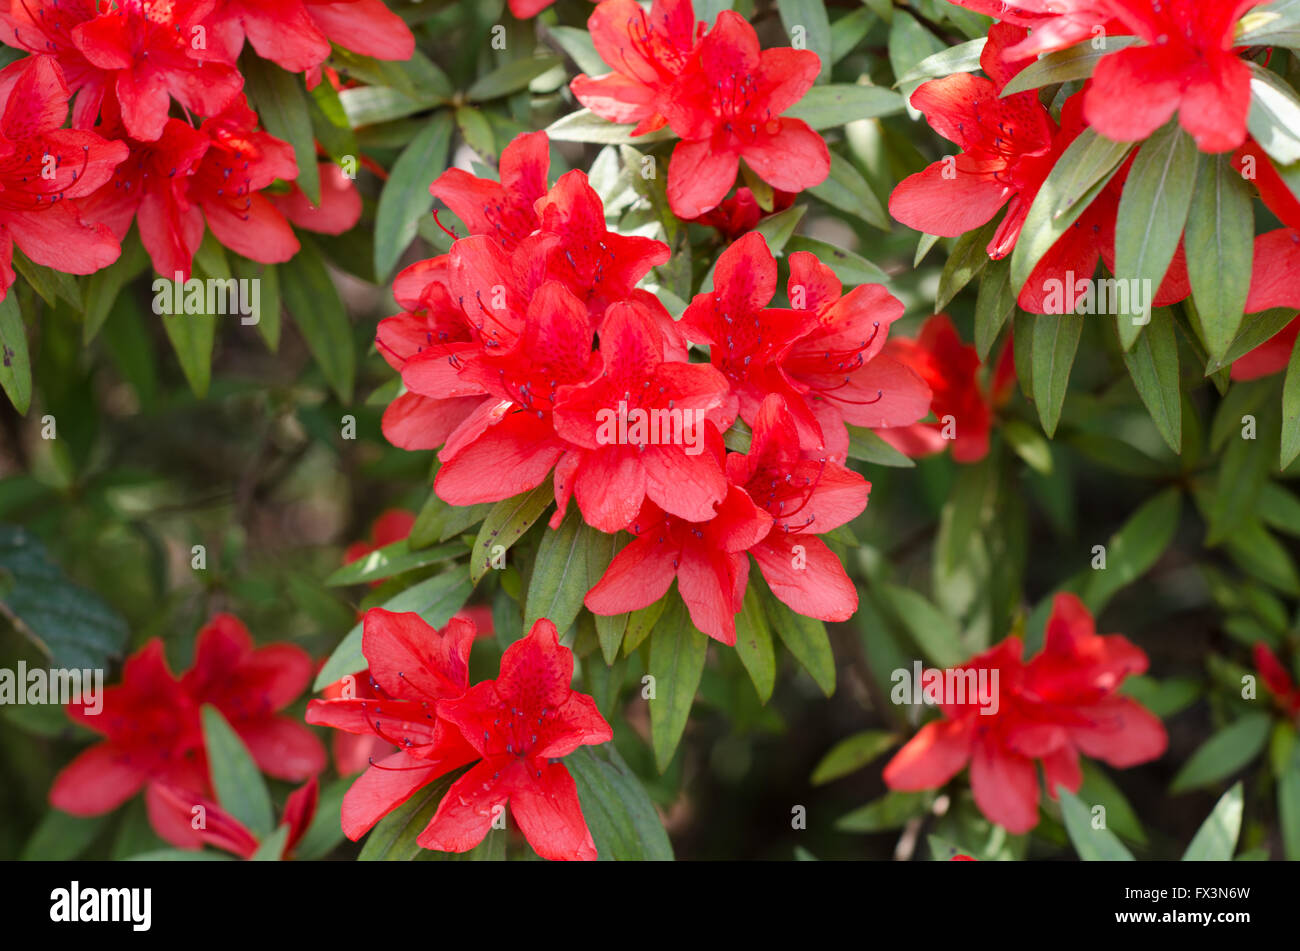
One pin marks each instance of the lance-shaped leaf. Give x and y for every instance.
(1220, 244)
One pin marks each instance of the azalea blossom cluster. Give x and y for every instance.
(1182, 61)
(72, 194)
(514, 730)
(516, 344)
(154, 739)
(715, 89)
(1062, 703)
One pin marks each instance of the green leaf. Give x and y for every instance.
(1135, 548)
(1064, 66)
(1220, 245)
(1274, 115)
(1097, 788)
(1028, 443)
(641, 622)
(239, 786)
(1093, 845)
(968, 259)
(271, 848)
(828, 106)
(60, 836)
(619, 813)
(15, 361)
(1224, 753)
(890, 811)
(70, 625)
(962, 58)
(1153, 365)
(192, 337)
(578, 44)
(866, 446)
(104, 286)
(1291, 410)
(810, 16)
(754, 644)
(393, 838)
(510, 78)
(556, 590)
(318, 310)
(585, 126)
(804, 637)
(932, 631)
(475, 130)
(1056, 340)
(281, 102)
(1256, 329)
(435, 599)
(994, 306)
(1078, 177)
(1288, 805)
(392, 559)
(1153, 212)
(846, 189)
(505, 525)
(851, 754)
(852, 269)
(406, 198)
(373, 105)
(677, 653)
(1216, 839)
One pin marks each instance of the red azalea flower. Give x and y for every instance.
(726, 105)
(151, 52)
(805, 497)
(1053, 24)
(392, 525)
(1278, 680)
(823, 356)
(154, 735)
(339, 209)
(45, 27)
(296, 34)
(44, 168)
(1006, 153)
(707, 559)
(502, 210)
(951, 369)
(1187, 66)
(647, 52)
(224, 831)
(1063, 702)
(413, 668)
(522, 724)
(634, 385)
(739, 214)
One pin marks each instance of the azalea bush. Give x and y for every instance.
(789, 429)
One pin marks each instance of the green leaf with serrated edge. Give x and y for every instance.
(317, 309)
(930, 629)
(890, 811)
(15, 360)
(435, 599)
(1220, 245)
(754, 645)
(406, 198)
(1153, 366)
(962, 58)
(825, 107)
(851, 754)
(1153, 212)
(845, 188)
(1227, 751)
(1291, 410)
(852, 269)
(1064, 66)
(1256, 329)
(103, 287)
(677, 653)
(968, 259)
(867, 446)
(993, 307)
(240, 789)
(393, 837)
(804, 637)
(642, 621)
(1216, 839)
(1135, 548)
(620, 816)
(1056, 340)
(1078, 177)
(555, 590)
(585, 126)
(505, 525)
(1092, 844)
(392, 559)
(281, 103)
(510, 77)
(1274, 118)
